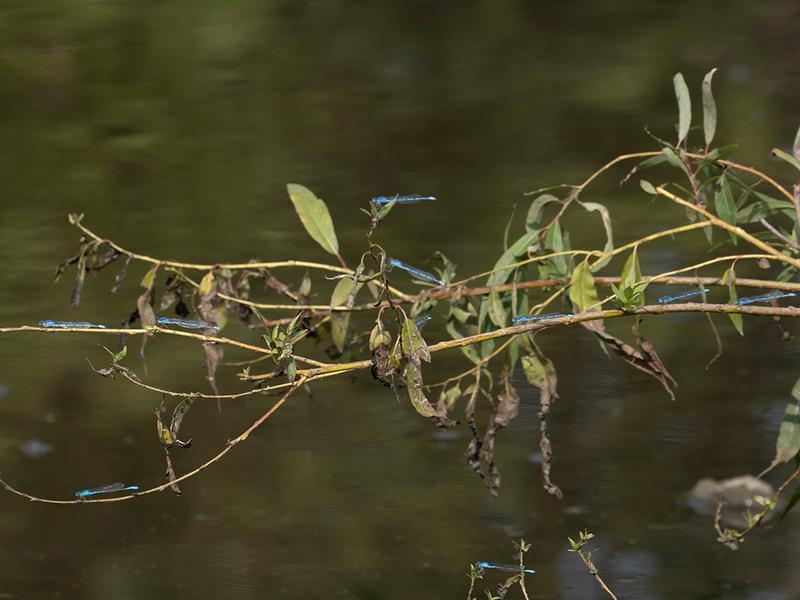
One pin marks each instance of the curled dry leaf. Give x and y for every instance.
(415, 392)
(505, 409)
(540, 372)
(177, 419)
(645, 358)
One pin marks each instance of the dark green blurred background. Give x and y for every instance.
(175, 126)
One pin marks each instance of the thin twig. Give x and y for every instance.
(732, 537)
(159, 331)
(230, 266)
(779, 235)
(587, 560)
(655, 309)
(160, 488)
(738, 231)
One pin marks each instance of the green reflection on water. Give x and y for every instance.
(175, 127)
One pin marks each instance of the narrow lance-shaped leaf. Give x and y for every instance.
(796, 147)
(340, 320)
(729, 278)
(788, 443)
(314, 216)
(540, 372)
(508, 227)
(412, 342)
(764, 206)
(709, 109)
(647, 186)
(795, 162)
(206, 284)
(790, 505)
(505, 409)
(379, 337)
(497, 311)
(684, 106)
(630, 292)
(448, 397)
(674, 160)
(606, 217)
(631, 272)
(535, 211)
(469, 351)
(582, 290)
(150, 277)
(144, 302)
(415, 393)
(510, 256)
(726, 207)
(556, 241)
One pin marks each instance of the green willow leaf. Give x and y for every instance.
(415, 393)
(606, 217)
(342, 291)
(558, 241)
(449, 396)
(790, 505)
(630, 292)
(518, 248)
(786, 157)
(709, 109)
(340, 320)
(149, 278)
(469, 351)
(206, 283)
(412, 343)
(674, 160)
(647, 186)
(314, 216)
(379, 337)
(788, 443)
(497, 312)
(582, 291)
(535, 211)
(513, 353)
(508, 227)
(726, 207)
(647, 164)
(631, 272)
(729, 278)
(539, 370)
(796, 146)
(340, 323)
(119, 356)
(684, 106)
(764, 206)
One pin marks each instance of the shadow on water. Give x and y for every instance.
(175, 129)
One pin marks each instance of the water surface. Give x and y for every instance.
(175, 126)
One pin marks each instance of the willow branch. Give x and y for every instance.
(606, 281)
(587, 560)
(202, 395)
(655, 309)
(737, 231)
(231, 266)
(731, 537)
(157, 331)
